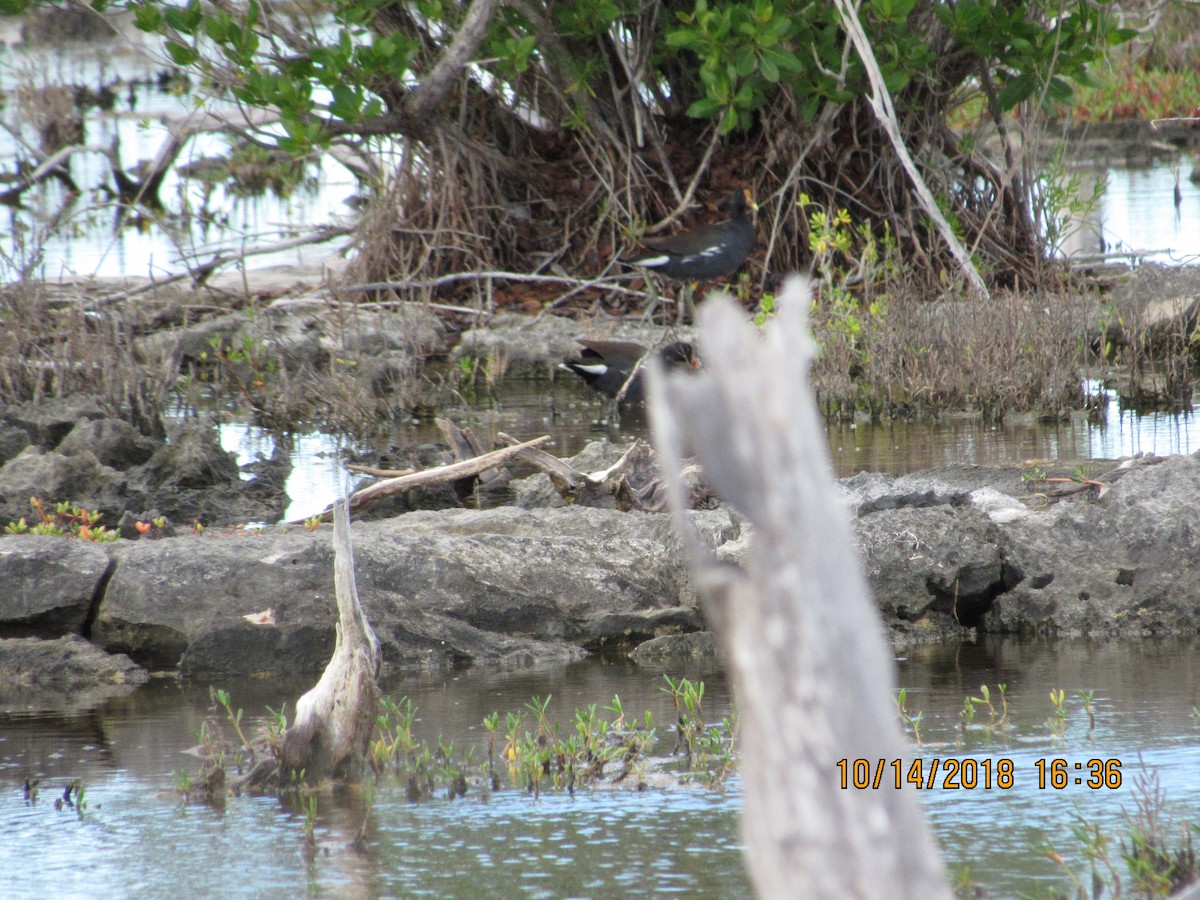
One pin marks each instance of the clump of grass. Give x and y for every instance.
(886, 349)
(54, 348)
(1159, 854)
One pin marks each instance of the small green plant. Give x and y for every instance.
(248, 365)
(183, 783)
(309, 805)
(765, 311)
(1057, 723)
(274, 730)
(1060, 200)
(492, 724)
(67, 520)
(997, 723)
(468, 369)
(1087, 697)
(708, 750)
(396, 747)
(688, 720)
(909, 720)
(850, 263)
(235, 719)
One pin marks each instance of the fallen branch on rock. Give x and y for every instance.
(440, 475)
(1101, 482)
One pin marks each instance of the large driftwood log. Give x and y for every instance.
(813, 671)
(332, 729)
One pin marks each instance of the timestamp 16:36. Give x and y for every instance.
(968, 773)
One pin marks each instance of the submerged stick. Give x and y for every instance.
(332, 729)
(805, 642)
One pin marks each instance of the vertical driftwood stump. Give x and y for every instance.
(806, 645)
(334, 720)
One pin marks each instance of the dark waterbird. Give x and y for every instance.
(606, 366)
(708, 251)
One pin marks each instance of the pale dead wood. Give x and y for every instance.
(632, 483)
(881, 103)
(464, 445)
(379, 473)
(330, 734)
(462, 441)
(440, 474)
(806, 645)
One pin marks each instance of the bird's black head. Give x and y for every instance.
(679, 355)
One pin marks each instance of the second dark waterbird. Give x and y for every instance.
(607, 365)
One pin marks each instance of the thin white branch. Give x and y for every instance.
(881, 102)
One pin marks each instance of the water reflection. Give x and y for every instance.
(1136, 214)
(135, 840)
(573, 416)
(94, 236)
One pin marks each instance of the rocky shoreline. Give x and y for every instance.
(949, 553)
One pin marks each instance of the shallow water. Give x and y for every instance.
(573, 416)
(1137, 217)
(134, 839)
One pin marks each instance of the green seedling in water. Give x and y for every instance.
(997, 723)
(1057, 723)
(275, 730)
(911, 721)
(183, 783)
(309, 805)
(1086, 697)
(235, 719)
